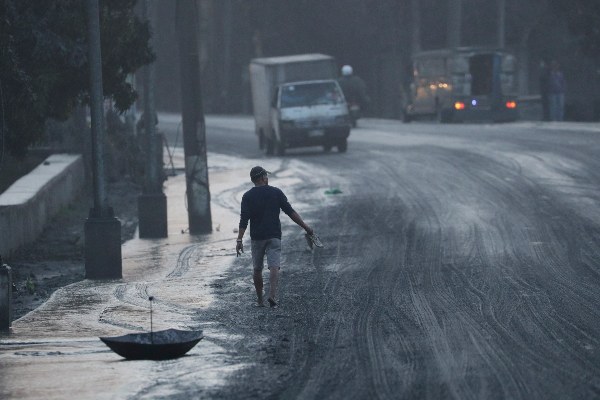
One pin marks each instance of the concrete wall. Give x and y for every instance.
(31, 202)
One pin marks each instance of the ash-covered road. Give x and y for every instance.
(461, 262)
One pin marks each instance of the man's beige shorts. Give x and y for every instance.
(271, 248)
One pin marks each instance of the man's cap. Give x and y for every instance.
(258, 171)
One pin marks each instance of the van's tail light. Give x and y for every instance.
(459, 105)
(511, 104)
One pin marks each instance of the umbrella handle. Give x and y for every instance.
(151, 330)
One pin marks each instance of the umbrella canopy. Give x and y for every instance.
(160, 345)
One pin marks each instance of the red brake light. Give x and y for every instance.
(511, 104)
(459, 105)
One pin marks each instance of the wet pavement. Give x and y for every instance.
(54, 351)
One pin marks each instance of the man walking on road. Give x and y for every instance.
(260, 206)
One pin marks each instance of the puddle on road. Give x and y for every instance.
(88, 369)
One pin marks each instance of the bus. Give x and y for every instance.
(463, 84)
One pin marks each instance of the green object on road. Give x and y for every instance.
(333, 191)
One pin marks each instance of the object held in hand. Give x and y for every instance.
(239, 248)
(313, 240)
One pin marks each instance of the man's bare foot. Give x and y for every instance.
(272, 302)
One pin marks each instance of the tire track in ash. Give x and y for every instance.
(516, 267)
(374, 370)
(379, 377)
(437, 284)
(422, 261)
(377, 365)
(391, 368)
(439, 301)
(489, 329)
(563, 316)
(539, 255)
(184, 261)
(558, 261)
(494, 303)
(133, 297)
(570, 305)
(131, 304)
(133, 310)
(314, 378)
(421, 269)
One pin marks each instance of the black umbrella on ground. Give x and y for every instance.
(161, 345)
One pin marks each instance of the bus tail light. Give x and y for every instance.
(459, 105)
(511, 104)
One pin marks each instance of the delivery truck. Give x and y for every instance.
(297, 102)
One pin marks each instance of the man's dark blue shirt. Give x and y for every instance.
(260, 206)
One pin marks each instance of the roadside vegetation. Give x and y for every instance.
(44, 69)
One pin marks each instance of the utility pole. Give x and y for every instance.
(454, 23)
(501, 24)
(415, 11)
(227, 12)
(194, 128)
(152, 203)
(102, 229)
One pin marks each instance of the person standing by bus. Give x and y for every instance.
(556, 92)
(544, 77)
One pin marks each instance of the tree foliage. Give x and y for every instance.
(583, 19)
(44, 70)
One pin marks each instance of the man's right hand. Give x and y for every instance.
(239, 248)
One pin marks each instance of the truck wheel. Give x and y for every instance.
(280, 148)
(269, 146)
(342, 145)
(327, 148)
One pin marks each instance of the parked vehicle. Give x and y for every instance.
(463, 84)
(297, 102)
